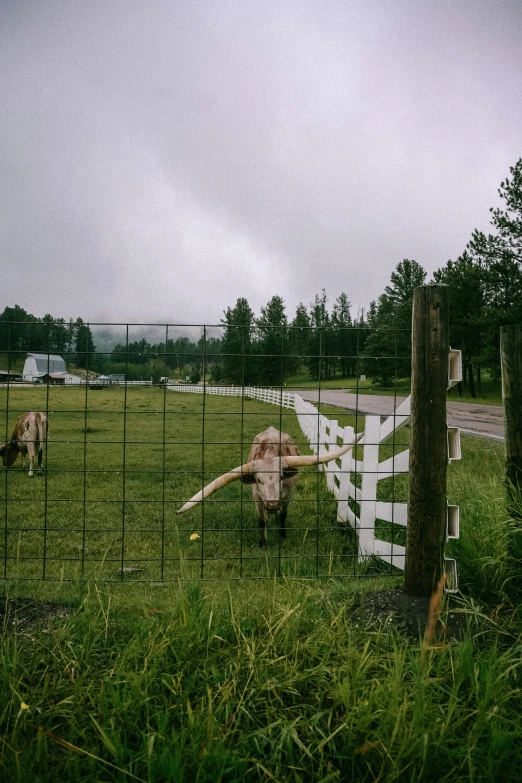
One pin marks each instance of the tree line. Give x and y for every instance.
(176, 358)
(22, 332)
(269, 348)
(485, 292)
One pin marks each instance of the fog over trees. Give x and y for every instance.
(323, 339)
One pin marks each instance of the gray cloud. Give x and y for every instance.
(161, 159)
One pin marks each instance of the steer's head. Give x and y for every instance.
(272, 478)
(270, 486)
(8, 454)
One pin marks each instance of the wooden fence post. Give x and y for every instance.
(427, 503)
(511, 362)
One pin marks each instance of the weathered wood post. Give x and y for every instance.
(427, 502)
(511, 362)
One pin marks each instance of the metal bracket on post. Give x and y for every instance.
(450, 569)
(454, 451)
(454, 367)
(452, 522)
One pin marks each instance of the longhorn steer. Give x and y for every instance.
(28, 438)
(271, 469)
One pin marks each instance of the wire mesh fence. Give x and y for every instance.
(142, 417)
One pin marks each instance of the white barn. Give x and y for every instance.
(38, 365)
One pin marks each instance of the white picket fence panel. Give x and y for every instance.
(274, 396)
(325, 434)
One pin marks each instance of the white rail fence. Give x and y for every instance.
(324, 435)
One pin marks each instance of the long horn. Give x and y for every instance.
(320, 459)
(251, 467)
(221, 481)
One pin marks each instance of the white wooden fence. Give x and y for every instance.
(325, 434)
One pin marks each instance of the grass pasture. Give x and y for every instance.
(263, 680)
(119, 464)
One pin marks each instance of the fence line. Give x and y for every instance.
(283, 399)
(325, 434)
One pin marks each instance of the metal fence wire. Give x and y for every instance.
(141, 417)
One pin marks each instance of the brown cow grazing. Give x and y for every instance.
(28, 438)
(272, 471)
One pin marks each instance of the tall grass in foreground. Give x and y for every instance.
(476, 484)
(274, 681)
(278, 682)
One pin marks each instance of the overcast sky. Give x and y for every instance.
(160, 159)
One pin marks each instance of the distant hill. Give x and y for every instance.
(107, 337)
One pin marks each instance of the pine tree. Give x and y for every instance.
(499, 257)
(85, 347)
(388, 346)
(345, 343)
(320, 359)
(507, 222)
(237, 343)
(16, 329)
(298, 339)
(54, 334)
(272, 344)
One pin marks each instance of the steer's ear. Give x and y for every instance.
(289, 472)
(248, 478)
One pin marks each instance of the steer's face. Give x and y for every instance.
(271, 487)
(8, 455)
(270, 490)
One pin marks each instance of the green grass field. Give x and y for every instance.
(273, 679)
(120, 463)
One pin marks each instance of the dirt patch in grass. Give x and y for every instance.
(411, 613)
(24, 614)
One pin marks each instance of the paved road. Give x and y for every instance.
(484, 420)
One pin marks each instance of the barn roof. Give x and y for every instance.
(46, 362)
